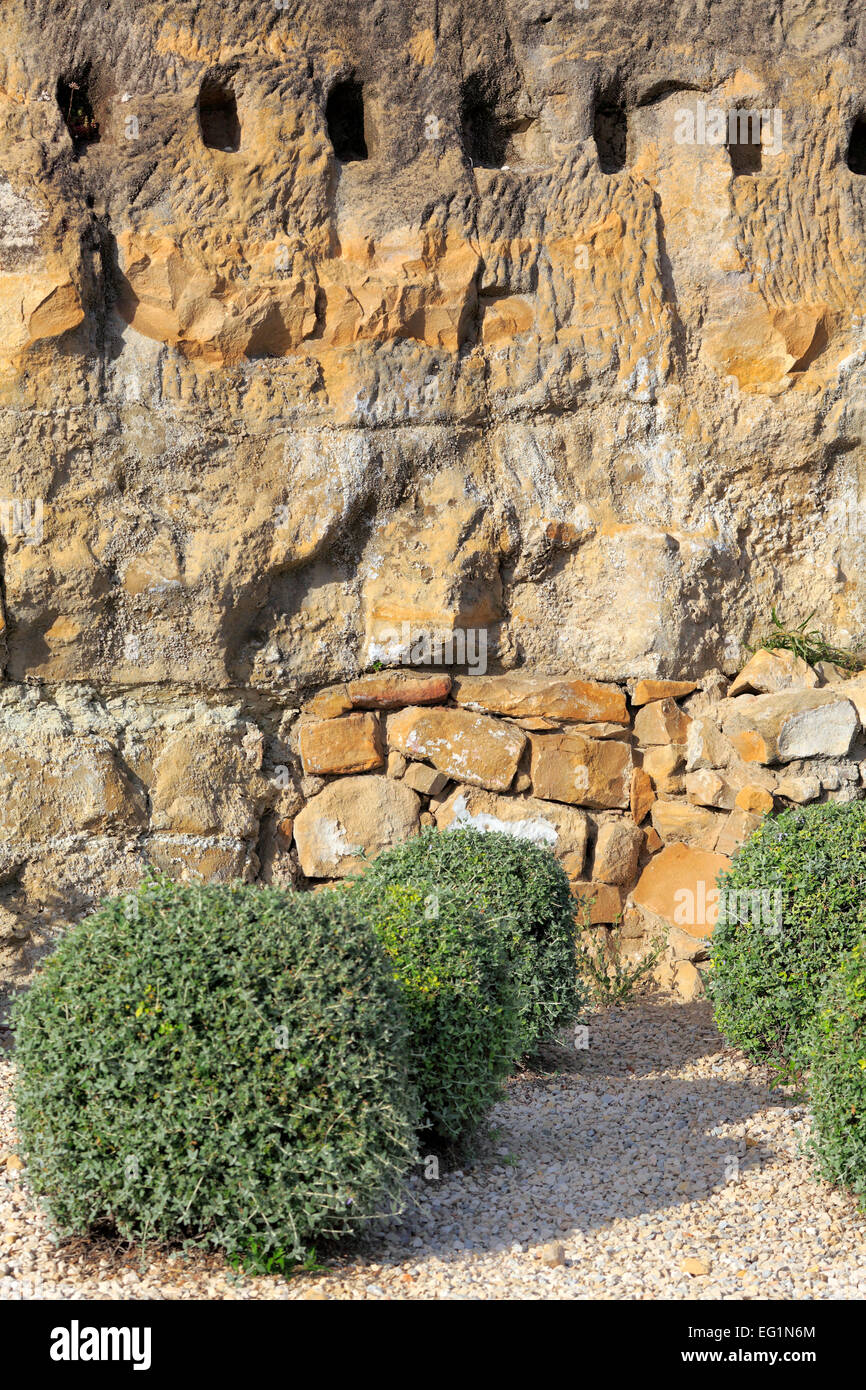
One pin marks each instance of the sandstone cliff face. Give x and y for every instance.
(363, 320)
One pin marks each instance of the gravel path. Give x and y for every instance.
(657, 1164)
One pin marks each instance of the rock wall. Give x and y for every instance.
(643, 793)
(324, 327)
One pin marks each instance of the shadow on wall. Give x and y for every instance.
(344, 116)
(218, 115)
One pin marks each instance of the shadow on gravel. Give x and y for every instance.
(589, 1161)
(670, 1035)
(586, 1138)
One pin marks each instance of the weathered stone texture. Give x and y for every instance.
(350, 821)
(563, 829)
(550, 368)
(582, 771)
(534, 696)
(348, 743)
(470, 747)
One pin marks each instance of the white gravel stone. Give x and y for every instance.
(656, 1147)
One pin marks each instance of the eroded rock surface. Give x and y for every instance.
(352, 324)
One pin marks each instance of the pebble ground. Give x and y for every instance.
(654, 1164)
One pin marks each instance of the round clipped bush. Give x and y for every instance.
(836, 1040)
(524, 891)
(459, 998)
(791, 904)
(219, 1065)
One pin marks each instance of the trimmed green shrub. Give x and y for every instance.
(224, 1066)
(836, 1039)
(458, 995)
(792, 902)
(524, 891)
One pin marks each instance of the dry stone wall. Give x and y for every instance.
(328, 332)
(643, 792)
